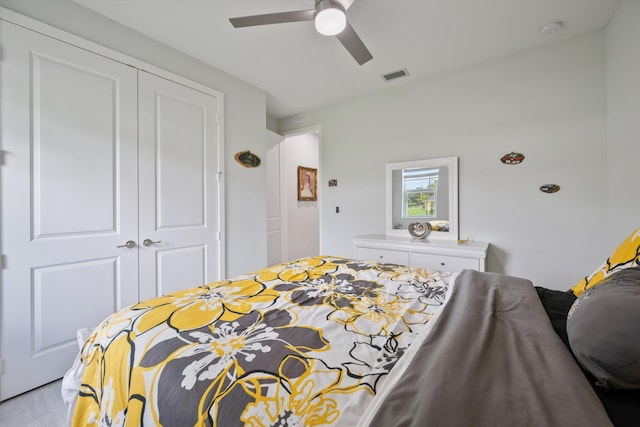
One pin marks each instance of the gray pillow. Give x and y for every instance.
(603, 327)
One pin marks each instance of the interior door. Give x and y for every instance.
(179, 186)
(275, 239)
(69, 201)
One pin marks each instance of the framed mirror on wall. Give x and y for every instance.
(422, 191)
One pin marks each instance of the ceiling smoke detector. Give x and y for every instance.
(551, 28)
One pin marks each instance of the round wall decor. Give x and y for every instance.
(247, 159)
(512, 158)
(550, 188)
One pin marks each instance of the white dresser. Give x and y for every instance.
(430, 254)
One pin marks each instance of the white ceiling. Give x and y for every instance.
(301, 70)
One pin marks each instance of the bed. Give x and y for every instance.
(338, 342)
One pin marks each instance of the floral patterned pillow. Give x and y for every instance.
(626, 255)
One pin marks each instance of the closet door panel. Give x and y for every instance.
(176, 267)
(69, 198)
(179, 188)
(181, 162)
(55, 286)
(84, 182)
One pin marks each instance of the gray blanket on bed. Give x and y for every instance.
(492, 359)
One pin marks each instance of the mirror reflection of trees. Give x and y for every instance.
(420, 193)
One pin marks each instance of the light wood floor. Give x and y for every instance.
(40, 407)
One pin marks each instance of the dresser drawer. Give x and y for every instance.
(431, 254)
(383, 255)
(442, 262)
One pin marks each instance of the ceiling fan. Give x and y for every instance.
(330, 20)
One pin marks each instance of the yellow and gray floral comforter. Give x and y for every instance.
(305, 343)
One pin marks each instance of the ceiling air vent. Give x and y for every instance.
(395, 74)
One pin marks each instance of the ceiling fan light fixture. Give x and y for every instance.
(330, 18)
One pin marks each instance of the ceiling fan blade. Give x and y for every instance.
(346, 3)
(273, 18)
(352, 42)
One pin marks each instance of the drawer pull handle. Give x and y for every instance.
(442, 263)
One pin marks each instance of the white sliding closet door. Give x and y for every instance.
(69, 199)
(179, 140)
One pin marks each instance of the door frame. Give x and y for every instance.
(273, 140)
(313, 129)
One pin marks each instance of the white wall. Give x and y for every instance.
(623, 122)
(302, 217)
(244, 118)
(547, 103)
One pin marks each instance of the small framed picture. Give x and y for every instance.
(307, 184)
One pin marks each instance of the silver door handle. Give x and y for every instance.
(149, 242)
(130, 245)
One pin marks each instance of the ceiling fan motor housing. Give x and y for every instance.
(329, 4)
